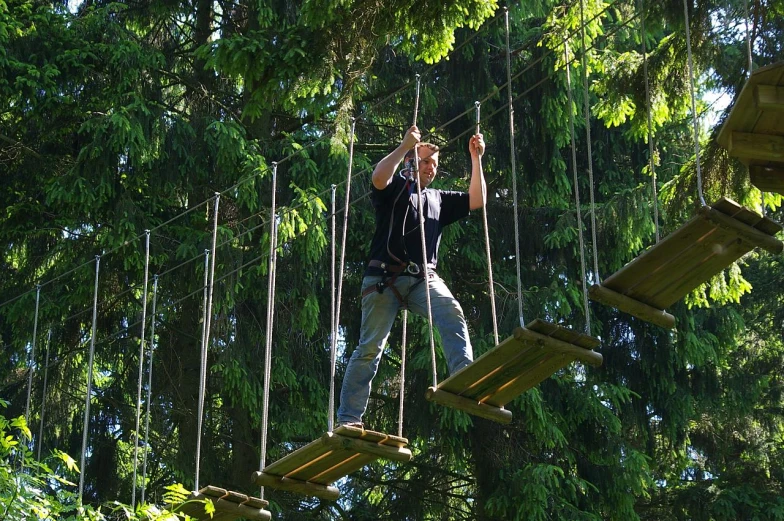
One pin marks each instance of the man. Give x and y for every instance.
(394, 277)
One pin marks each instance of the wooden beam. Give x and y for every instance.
(631, 306)
(552, 344)
(223, 507)
(763, 147)
(769, 97)
(767, 179)
(336, 441)
(294, 485)
(490, 412)
(744, 232)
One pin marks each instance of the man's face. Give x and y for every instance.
(428, 166)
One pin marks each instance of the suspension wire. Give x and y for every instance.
(344, 240)
(514, 171)
(202, 365)
(210, 274)
(332, 321)
(402, 374)
(270, 321)
(583, 270)
(149, 385)
(31, 369)
(141, 366)
(89, 381)
(43, 397)
(588, 142)
(477, 105)
(416, 100)
(651, 162)
(695, 115)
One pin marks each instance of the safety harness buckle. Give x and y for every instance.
(412, 268)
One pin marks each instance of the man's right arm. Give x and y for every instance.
(385, 169)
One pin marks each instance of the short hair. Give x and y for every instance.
(431, 146)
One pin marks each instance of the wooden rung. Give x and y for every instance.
(336, 441)
(294, 485)
(744, 232)
(631, 306)
(552, 344)
(767, 178)
(490, 412)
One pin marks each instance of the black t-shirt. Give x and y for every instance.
(397, 221)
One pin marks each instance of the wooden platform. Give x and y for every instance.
(311, 469)
(512, 367)
(754, 130)
(666, 272)
(228, 506)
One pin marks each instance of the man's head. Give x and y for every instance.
(428, 162)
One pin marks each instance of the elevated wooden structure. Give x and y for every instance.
(228, 506)
(512, 367)
(754, 130)
(312, 469)
(712, 240)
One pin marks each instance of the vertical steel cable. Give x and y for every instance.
(332, 323)
(149, 385)
(748, 75)
(43, 396)
(416, 100)
(583, 272)
(202, 364)
(91, 357)
(31, 369)
(483, 188)
(588, 143)
(651, 162)
(695, 116)
(514, 172)
(206, 336)
(346, 207)
(270, 320)
(141, 365)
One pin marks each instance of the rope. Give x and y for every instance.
(141, 367)
(43, 397)
(487, 245)
(583, 270)
(588, 143)
(31, 370)
(695, 116)
(514, 171)
(651, 162)
(149, 385)
(332, 323)
(89, 381)
(345, 232)
(416, 100)
(402, 374)
(270, 318)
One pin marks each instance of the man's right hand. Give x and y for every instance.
(412, 137)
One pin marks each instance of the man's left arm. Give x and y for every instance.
(477, 190)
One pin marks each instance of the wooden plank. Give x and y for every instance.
(564, 334)
(497, 414)
(296, 459)
(554, 345)
(371, 436)
(483, 365)
(765, 147)
(525, 356)
(293, 485)
(658, 258)
(631, 306)
(531, 378)
(746, 216)
(352, 462)
(226, 509)
(744, 114)
(690, 281)
(488, 387)
(769, 97)
(748, 234)
(767, 178)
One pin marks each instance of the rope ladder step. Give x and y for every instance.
(228, 506)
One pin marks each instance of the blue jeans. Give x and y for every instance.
(378, 314)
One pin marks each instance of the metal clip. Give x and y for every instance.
(412, 268)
